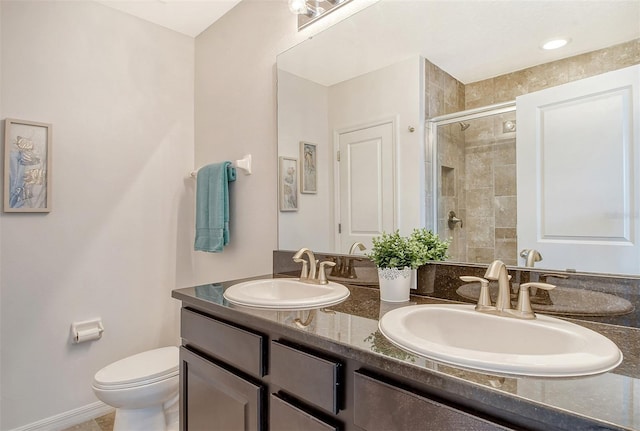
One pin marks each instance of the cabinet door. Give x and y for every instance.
(214, 399)
(381, 406)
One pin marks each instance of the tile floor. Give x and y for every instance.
(103, 423)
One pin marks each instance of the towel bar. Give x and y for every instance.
(243, 164)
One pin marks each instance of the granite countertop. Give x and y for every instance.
(609, 399)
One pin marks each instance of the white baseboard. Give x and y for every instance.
(68, 419)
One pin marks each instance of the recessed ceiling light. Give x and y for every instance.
(555, 43)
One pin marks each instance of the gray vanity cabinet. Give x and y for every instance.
(234, 377)
(247, 370)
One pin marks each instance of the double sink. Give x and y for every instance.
(456, 334)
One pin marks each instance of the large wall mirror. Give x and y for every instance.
(382, 114)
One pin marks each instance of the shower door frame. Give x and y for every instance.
(431, 150)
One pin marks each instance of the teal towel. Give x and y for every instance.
(211, 292)
(212, 206)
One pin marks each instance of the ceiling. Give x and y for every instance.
(495, 36)
(471, 39)
(190, 17)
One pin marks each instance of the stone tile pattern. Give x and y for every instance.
(478, 166)
(507, 87)
(489, 203)
(445, 95)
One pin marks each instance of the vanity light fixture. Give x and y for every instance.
(309, 11)
(301, 7)
(555, 43)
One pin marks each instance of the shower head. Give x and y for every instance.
(464, 126)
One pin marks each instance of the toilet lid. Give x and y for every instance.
(143, 368)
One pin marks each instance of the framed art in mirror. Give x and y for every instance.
(288, 183)
(308, 171)
(27, 166)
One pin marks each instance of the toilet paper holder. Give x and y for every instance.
(86, 330)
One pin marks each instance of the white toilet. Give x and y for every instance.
(144, 390)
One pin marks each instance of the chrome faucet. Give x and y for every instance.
(308, 272)
(498, 271)
(531, 256)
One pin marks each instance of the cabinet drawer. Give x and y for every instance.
(306, 376)
(381, 406)
(238, 347)
(284, 416)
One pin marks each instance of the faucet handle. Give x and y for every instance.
(305, 267)
(484, 299)
(471, 279)
(524, 298)
(322, 276)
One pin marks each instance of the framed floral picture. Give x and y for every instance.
(27, 166)
(288, 183)
(308, 169)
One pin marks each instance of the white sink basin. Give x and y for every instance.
(285, 294)
(459, 335)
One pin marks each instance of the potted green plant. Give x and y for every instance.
(397, 257)
(427, 247)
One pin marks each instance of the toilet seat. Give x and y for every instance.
(139, 370)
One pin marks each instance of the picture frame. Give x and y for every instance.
(308, 168)
(288, 183)
(27, 166)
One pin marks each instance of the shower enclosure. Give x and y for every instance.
(473, 194)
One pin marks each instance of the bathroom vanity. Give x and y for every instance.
(331, 369)
(239, 372)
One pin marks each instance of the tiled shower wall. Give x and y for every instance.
(477, 172)
(507, 87)
(452, 187)
(445, 95)
(478, 175)
(490, 191)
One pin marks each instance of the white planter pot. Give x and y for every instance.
(395, 284)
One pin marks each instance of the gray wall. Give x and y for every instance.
(119, 93)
